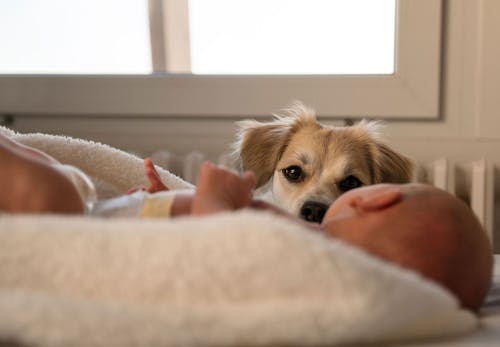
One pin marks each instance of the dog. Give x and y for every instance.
(306, 166)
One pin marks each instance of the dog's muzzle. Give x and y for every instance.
(313, 211)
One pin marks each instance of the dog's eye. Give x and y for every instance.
(293, 173)
(348, 183)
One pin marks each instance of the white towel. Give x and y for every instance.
(235, 279)
(110, 168)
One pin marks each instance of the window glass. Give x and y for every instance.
(74, 37)
(292, 36)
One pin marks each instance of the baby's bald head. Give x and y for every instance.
(421, 228)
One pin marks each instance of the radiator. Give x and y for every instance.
(473, 182)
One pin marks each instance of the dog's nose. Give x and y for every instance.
(313, 211)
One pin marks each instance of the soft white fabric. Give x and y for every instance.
(242, 279)
(110, 168)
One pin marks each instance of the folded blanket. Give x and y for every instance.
(232, 279)
(112, 170)
(235, 279)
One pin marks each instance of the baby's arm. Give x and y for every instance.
(217, 190)
(220, 190)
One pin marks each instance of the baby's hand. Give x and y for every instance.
(155, 182)
(220, 190)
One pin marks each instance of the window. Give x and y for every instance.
(292, 36)
(74, 37)
(113, 58)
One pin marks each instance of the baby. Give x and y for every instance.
(415, 226)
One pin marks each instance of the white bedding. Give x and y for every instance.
(247, 278)
(488, 332)
(114, 171)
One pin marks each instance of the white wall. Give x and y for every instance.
(471, 73)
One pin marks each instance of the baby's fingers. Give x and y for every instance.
(155, 182)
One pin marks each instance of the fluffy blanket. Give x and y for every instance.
(112, 170)
(236, 279)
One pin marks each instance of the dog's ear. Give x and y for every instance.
(259, 146)
(390, 166)
(393, 167)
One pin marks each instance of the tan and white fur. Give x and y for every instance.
(307, 165)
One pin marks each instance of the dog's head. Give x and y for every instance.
(310, 165)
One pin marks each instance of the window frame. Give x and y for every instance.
(412, 92)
